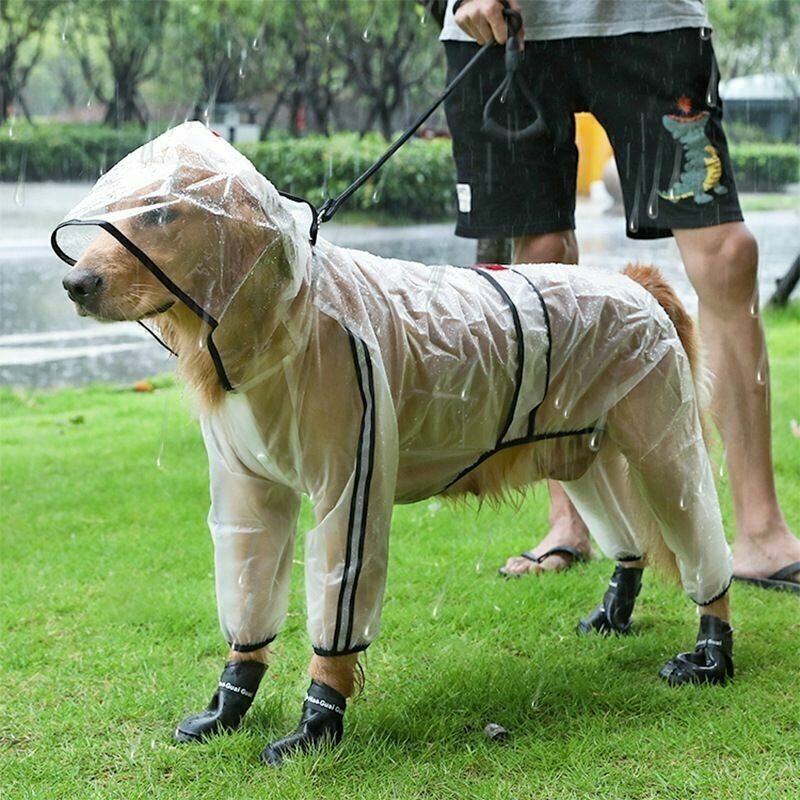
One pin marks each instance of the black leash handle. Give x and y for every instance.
(513, 78)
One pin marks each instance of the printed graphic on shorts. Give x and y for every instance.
(701, 171)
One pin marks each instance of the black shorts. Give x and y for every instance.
(656, 95)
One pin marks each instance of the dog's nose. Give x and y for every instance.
(81, 284)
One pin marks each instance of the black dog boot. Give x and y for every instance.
(237, 688)
(712, 659)
(613, 615)
(321, 721)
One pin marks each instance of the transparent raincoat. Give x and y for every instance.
(361, 381)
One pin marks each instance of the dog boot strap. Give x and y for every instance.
(613, 615)
(712, 659)
(235, 693)
(321, 721)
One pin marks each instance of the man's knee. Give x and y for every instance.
(724, 267)
(560, 247)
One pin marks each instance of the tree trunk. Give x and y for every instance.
(785, 285)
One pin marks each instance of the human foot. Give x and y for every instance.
(770, 560)
(555, 553)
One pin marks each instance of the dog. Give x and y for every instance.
(362, 382)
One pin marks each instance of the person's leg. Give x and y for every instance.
(677, 178)
(721, 262)
(566, 526)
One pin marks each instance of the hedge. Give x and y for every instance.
(63, 152)
(765, 167)
(418, 182)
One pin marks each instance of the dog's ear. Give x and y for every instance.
(252, 331)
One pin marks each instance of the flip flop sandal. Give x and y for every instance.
(779, 580)
(561, 550)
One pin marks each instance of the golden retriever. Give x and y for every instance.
(361, 382)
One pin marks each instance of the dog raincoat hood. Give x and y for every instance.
(206, 223)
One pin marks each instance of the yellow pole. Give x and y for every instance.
(594, 150)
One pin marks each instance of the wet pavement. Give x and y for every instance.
(43, 343)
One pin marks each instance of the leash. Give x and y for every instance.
(513, 78)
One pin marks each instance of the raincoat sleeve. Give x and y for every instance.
(253, 523)
(346, 553)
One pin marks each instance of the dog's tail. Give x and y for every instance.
(653, 281)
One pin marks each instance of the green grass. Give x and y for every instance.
(109, 637)
(769, 201)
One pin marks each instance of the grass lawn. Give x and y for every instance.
(109, 637)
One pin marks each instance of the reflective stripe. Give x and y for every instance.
(359, 503)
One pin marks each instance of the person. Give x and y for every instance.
(648, 73)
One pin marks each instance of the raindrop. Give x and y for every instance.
(684, 502)
(19, 192)
(711, 93)
(158, 457)
(365, 35)
(328, 35)
(633, 222)
(763, 368)
(557, 403)
(595, 439)
(705, 34)
(676, 166)
(478, 565)
(256, 43)
(241, 71)
(11, 130)
(652, 204)
(754, 305)
(89, 102)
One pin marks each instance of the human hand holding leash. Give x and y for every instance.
(485, 21)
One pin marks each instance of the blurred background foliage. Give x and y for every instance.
(300, 66)
(317, 83)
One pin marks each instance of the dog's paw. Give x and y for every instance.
(598, 622)
(613, 615)
(237, 688)
(712, 659)
(320, 723)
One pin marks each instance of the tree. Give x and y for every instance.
(377, 42)
(754, 36)
(22, 23)
(129, 34)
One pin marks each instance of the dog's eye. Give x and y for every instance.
(158, 216)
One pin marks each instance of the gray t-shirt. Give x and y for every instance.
(568, 19)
